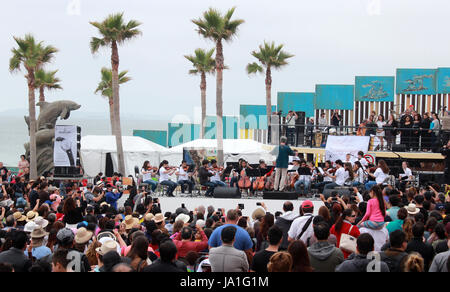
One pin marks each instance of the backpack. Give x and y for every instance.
(394, 263)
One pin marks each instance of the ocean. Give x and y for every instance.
(14, 132)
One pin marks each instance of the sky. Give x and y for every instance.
(332, 40)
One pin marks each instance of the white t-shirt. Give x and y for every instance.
(327, 178)
(162, 175)
(407, 173)
(182, 175)
(359, 175)
(216, 176)
(364, 162)
(341, 176)
(146, 175)
(297, 226)
(380, 125)
(380, 176)
(290, 121)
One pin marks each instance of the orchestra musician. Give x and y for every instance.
(236, 173)
(204, 177)
(328, 170)
(380, 175)
(217, 173)
(404, 176)
(362, 160)
(339, 177)
(360, 176)
(184, 177)
(147, 173)
(305, 174)
(165, 171)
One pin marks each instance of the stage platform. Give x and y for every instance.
(171, 204)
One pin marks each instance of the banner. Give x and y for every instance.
(339, 146)
(65, 147)
(374, 88)
(195, 156)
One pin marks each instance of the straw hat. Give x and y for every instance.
(30, 226)
(83, 235)
(412, 209)
(183, 217)
(131, 221)
(31, 215)
(149, 217)
(38, 233)
(159, 218)
(107, 246)
(106, 235)
(200, 223)
(258, 213)
(41, 221)
(19, 217)
(104, 203)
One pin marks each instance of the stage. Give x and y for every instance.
(171, 204)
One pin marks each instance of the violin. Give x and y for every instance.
(294, 179)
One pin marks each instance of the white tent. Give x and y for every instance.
(94, 150)
(250, 150)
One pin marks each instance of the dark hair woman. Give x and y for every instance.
(73, 213)
(138, 253)
(300, 258)
(267, 222)
(344, 225)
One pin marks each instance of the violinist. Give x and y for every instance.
(380, 175)
(305, 174)
(339, 177)
(328, 170)
(184, 178)
(147, 173)
(204, 177)
(358, 171)
(362, 160)
(217, 173)
(165, 171)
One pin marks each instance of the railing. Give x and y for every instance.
(411, 139)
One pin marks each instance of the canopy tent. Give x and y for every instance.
(95, 149)
(250, 150)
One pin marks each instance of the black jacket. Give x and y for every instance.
(424, 249)
(204, 175)
(394, 258)
(17, 259)
(159, 266)
(284, 224)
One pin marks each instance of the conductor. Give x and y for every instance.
(282, 152)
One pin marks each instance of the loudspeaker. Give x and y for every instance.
(341, 191)
(399, 148)
(300, 123)
(227, 193)
(280, 196)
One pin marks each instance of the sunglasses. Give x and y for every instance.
(352, 216)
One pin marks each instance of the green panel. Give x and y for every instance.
(330, 97)
(158, 137)
(296, 101)
(254, 116)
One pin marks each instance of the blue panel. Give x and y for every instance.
(230, 127)
(443, 80)
(158, 137)
(296, 101)
(374, 88)
(182, 133)
(254, 116)
(332, 97)
(416, 81)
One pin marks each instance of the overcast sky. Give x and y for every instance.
(333, 40)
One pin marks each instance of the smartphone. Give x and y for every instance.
(223, 219)
(258, 204)
(241, 206)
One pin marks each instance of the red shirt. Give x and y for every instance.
(186, 246)
(345, 228)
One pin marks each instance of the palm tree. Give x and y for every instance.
(114, 31)
(31, 55)
(46, 80)
(218, 27)
(105, 89)
(270, 56)
(203, 63)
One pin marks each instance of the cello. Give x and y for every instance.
(244, 182)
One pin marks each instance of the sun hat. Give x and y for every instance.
(107, 246)
(31, 215)
(83, 235)
(412, 209)
(183, 217)
(30, 226)
(19, 216)
(41, 221)
(104, 203)
(52, 188)
(106, 234)
(258, 213)
(200, 223)
(149, 217)
(159, 218)
(38, 232)
(130, 221)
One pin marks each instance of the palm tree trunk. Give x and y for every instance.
(268, 95)
(203, 104)
(111, 115)
(41, 94)
(116, 106)
(32, 117)
(219, 102)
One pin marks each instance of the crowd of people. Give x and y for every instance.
(49, 225)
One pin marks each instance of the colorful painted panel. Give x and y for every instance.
(416, 81)
(296, 101)
(158, 137)
(182, 133)
(443, 80)
(230, 127)
(339, 97)
(374, 88)
(254, 116)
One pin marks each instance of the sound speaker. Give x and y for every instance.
(227, 193)
(341, 191)
(399, 148)
(300, 123)
(280, 196)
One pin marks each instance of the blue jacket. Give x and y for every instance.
(112, 198)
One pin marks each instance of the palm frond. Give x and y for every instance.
(254, 68)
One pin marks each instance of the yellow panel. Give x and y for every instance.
(428, 103)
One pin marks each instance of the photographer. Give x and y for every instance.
(112, 196)
(291, 118)
(446, 152)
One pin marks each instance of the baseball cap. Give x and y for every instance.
(307, 204)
